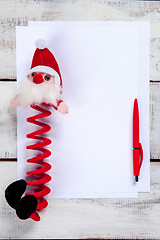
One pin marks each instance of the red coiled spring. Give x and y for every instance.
(43, 177)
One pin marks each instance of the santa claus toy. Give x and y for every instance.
(41, 89)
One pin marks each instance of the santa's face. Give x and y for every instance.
(39, 88)
(38, 77)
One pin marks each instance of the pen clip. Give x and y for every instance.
(141, 152)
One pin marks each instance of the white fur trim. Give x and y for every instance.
(30, 93)
(45, 69)
(40, 43)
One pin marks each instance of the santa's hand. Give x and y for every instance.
(63, 108)
(14, 101)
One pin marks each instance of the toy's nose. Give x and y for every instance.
(38, 78)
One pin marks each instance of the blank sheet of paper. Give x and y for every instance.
(143, 62)
(92, 145)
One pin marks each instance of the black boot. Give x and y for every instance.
(14, 192)
(26, 206)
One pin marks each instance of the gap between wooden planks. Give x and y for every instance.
(15, 160)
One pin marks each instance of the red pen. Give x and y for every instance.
(137, 146)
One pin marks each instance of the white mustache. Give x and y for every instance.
(30, 93)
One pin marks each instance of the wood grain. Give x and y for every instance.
(8, 121)
(77, 218)
(85, 218)
(14, 13)
(155, 120)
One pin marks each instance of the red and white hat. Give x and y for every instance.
(44, 61)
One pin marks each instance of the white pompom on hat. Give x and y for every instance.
(40, 43)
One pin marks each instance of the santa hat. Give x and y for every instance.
(44, 61)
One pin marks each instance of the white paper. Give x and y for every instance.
(92, 145)
(143, 29)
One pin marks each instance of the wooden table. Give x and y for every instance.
(78, 218)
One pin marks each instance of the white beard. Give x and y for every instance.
(30, 93)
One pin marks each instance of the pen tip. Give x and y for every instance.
(136, 178)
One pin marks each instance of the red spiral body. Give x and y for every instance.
(40, 172)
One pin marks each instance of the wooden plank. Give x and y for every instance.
(77, 218)
(90, 10)
(155, 120)
(85, 218)
(8, 121)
